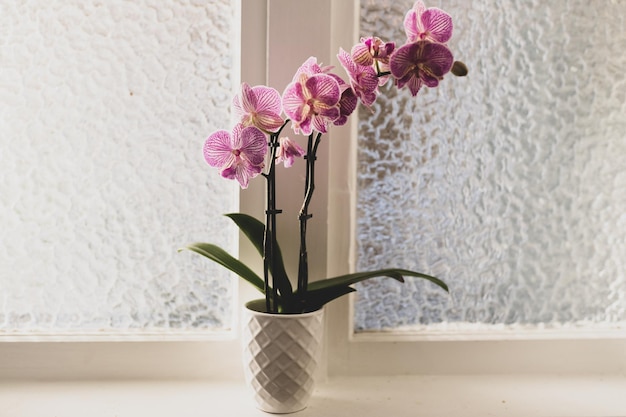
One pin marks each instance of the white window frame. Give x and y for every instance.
(274, 35)
(127, 355)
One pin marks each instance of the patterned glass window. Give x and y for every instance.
(509, 184)
(104, 107)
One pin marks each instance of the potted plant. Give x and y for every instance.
(283, 329)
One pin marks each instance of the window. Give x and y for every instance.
(164, 92)
(285, 26)
(104, 110)
(508, 183)
(468, 349)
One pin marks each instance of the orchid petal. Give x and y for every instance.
(368, 83)
(319, 124)
(347, 62)
(310, 67)
(293, 102)
(324, 89)
(305, 127)
(268, 120)
(439, 58)
(389, 48)
(267, 98)
(241, 172)
(325, 111)
(438, 24)
(247, 98)
(217, 149)
(235, 137)
(361, 54)
(412, 23)
(402, 61)
(415, 84)
(253, 145)
(347, 105)
(342, 84)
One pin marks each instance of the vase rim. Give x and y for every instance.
(257, 306)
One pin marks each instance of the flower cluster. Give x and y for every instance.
(317, 98)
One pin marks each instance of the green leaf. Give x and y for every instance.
(394, 273)
(315, 299)
(220, 256)
(255, 231)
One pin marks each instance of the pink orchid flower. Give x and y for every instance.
(420, 63)
(348, 100)
(311, 102)
(258, 106)
(374, 52)
(431, 24)
(239, 155)
(363, 79)
(288, 150)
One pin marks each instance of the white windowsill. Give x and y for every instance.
(363, 396)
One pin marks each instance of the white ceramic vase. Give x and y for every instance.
(280, 356)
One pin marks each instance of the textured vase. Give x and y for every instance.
(280, 356)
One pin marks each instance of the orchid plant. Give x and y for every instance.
(315, 100)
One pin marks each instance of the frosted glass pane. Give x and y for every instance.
(104, 107)
(510, 184)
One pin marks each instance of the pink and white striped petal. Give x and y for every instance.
(217, 150)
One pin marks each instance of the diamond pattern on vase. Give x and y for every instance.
(280, 355)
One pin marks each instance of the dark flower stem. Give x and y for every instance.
(303, 266)
(269, 238)
(270, 230)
